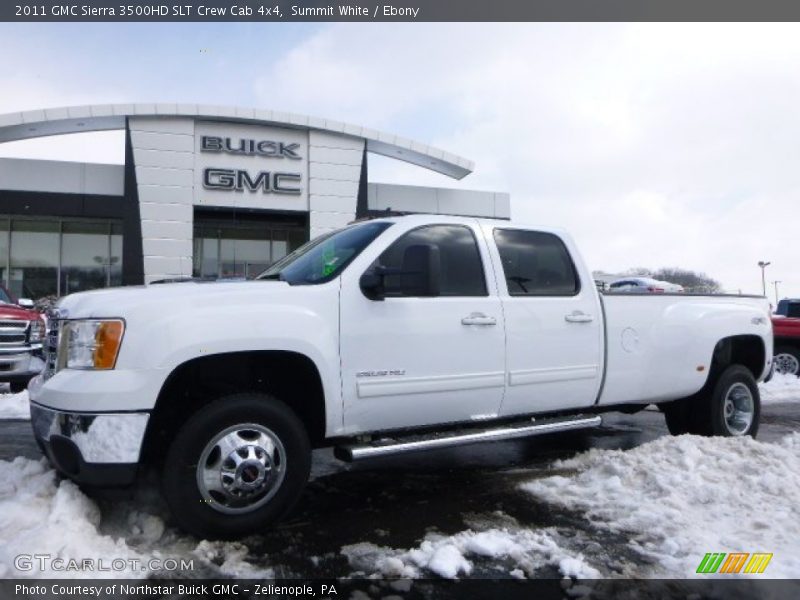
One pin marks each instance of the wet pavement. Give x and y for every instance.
(395, 501)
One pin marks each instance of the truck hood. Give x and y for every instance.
(12, 311)
(168, 298)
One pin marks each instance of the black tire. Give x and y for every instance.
(676, 414)
(18, 386)
(789, 353)
(713, 411)
(191, 506)
(704, 413)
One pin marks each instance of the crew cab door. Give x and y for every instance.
(554, 333)
(409, 359)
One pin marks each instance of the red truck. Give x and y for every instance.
(22, 331)
(786, 328)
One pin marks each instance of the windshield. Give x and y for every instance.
(4, 297)
(323, 258)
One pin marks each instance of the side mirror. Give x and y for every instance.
(419, 275)
(25, 303)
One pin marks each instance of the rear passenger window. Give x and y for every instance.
(536, 263)
(461, 266)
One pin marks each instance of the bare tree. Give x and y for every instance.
(692, 281)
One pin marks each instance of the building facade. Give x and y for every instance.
(205, 191)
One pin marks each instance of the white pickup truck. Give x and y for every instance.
(387, 336)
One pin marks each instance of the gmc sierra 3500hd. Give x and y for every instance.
(387, 336)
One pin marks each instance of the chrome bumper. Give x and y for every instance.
(98, 438)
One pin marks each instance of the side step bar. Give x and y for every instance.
(385, 447)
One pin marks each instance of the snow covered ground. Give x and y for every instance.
(782, 388)
(680, 497)
(14, 406)
(42, 516)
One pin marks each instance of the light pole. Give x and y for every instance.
(763, 265)
(776, 282)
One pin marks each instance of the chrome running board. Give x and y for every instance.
(385, 447)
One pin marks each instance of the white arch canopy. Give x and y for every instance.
(104, 117)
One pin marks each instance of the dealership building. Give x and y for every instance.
(205, 191)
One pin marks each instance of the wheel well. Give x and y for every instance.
(745, 350)
(289, 376)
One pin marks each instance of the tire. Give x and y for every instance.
(232, 497)
(705, 412)
(787, 360)
(676, 414)
(18, 386)
(733, 408)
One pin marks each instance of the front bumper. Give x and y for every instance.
(91, 449)
(20, 364)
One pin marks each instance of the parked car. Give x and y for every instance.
(786, 327)
(22, 332)
(644, 285)
(387, 336)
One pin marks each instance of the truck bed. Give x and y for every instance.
(659, 346)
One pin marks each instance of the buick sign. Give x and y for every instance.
(249, 147)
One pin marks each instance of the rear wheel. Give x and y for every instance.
(237, 466)
(735, 403)
(787, 360)
(729, 407)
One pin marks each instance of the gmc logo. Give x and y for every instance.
(239, 180)
(248, 147)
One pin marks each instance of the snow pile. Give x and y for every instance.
(37, 516)
(524, 550)
(781, 388)
(680, 497)
(41, 516)
(14, 406)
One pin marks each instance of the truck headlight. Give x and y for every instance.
(37, 331)
(92, 344)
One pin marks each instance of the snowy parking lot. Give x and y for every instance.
(625, 500)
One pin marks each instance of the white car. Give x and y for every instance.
(645, 285)
(387, 336)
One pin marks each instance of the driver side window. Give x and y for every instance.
(461, 269)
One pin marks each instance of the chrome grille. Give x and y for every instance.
(13, 333)
(51, 347)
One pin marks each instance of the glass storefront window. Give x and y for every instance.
(85, 260)
(34, 261)
(241, 249)
(56, 257)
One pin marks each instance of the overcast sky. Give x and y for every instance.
(654, 145)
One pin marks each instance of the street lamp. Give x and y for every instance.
(763, 265)
(776, 282)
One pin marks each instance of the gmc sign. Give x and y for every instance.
(240, 180)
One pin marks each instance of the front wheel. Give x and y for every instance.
(787, 360)
(236, 466)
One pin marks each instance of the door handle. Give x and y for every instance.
(578, 317)
(477, 318)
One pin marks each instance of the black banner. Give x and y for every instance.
(508, 589)
(401, 10)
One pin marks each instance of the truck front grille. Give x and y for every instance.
(51, 348)
(13, 333)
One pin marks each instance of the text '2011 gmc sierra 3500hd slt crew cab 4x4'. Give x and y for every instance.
(387, 336)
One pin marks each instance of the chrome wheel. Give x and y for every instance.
(241, 468)
(786, 363)
(738, 409)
